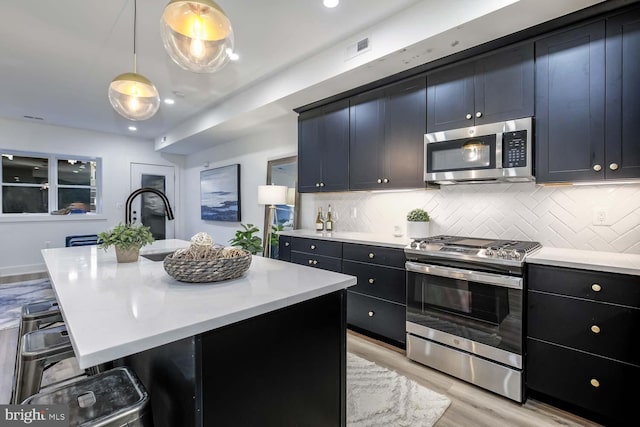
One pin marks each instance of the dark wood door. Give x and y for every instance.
(623, 96)
(504, 85)
(569, 102)
(405, 126)
(334, 147)
(367, 142)
(309, 165)
(450, 97)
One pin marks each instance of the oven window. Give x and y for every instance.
(462, 154)
(488, 314)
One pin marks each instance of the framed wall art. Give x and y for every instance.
(220, 194)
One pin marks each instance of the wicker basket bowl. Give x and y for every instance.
(206, 270)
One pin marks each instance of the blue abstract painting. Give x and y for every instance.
(220, 194)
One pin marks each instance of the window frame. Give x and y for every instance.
(52, 176)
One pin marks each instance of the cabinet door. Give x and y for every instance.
(623, 91)
(284, 248)
(569, 100)
(334, 147)
(405, 126)
(504, 85)
(450, 96)
(366, 150)
(309, 164)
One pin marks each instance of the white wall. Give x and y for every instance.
(278, 139)
(555, 216)
(21, 241)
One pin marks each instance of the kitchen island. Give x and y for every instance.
(268, 348)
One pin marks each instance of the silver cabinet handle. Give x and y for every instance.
(310, 261)
(595, 329)
(371, 314)
(313, 247)
(469, 116)
(372, 255)
(286, 243)
(596, 287)
(372, 281)
(386, 180)
(322, 184)
(479, 114)
(315, 262)
(594, 382)
(613, 166)
(379, 181)
(597, 168)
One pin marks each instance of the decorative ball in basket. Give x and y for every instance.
(203, 262)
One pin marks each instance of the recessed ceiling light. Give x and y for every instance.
(330, 3)
(133, 128)
(169, 101)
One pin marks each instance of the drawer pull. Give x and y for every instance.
(371, 314)
(372, 281)
(313, 247)
(286, 243)
(597, 168)
(594, 382)
(315, 262)
(310, 261)
(596, 287)
(372, 255)
(379, 181)
(595, 329)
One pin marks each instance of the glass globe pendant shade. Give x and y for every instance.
(197, 35)
(134, 97)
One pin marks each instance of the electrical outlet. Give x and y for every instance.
(600, 217)
(354, 213)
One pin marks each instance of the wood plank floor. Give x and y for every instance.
(470, 405)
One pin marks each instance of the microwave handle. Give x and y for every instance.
(469, 275)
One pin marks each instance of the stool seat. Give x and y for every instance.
(40, 309)
(111, 399)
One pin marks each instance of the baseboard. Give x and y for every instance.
(22, 273)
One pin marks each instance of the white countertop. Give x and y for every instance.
(610, 262)
(113, 310)
(352, 237)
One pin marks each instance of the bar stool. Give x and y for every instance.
(39, 348)
(111, 399)
(39, 314)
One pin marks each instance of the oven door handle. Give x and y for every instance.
(469, 275)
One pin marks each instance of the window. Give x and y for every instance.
(44, 183)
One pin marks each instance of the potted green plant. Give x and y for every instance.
(418, 223)
(127, 239)
(246, 239)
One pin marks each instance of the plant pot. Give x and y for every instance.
(417, 229)
(127, 255)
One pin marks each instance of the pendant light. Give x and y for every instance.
(133, 95)
(197, 35)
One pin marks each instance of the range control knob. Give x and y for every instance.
(423, 245)
(515, 254)
(413, 244)
(489, 252)
(501, 253)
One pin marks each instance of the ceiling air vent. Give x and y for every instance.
(361, 46)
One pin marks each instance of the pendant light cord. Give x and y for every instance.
(135, 11)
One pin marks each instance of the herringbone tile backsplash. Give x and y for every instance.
(555, 216)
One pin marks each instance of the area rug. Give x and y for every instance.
(377, 396)
(14, 295)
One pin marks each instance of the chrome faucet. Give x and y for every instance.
(167, 206)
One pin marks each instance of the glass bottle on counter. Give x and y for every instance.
(328, 224)
(319, 221)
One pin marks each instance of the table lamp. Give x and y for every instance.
(271, 195)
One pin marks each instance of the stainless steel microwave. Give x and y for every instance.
(494, 152)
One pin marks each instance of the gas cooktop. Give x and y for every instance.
(472, 248)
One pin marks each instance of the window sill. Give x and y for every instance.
(51, 218)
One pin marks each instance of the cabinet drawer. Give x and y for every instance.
(317, 261)
(284, 248)
(319, 247)
(380, 317)
(378, 281)
(607, 287)
(594, 383)
(604, 329)
(374, 255)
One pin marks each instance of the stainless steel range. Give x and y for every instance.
(464, 309)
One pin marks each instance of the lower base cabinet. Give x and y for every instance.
(383, 318)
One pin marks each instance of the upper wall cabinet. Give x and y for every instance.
(492, 88)
(387, 137)
(323, 148)
(587, 109)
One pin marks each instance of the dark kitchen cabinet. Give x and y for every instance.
(587, 108)
(323, 254)
(323, 148)
(492, 88)
(592, 360)
(284, 248)
(387, 137)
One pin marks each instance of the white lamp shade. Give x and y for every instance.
(272, 194)
(197, 35)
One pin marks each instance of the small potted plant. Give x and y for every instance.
(246, 240)
(127, 238)
(417, 223)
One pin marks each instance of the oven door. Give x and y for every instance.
(474, 311)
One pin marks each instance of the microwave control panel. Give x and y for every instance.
(514, 149)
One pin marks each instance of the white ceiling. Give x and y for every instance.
(57, 58)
